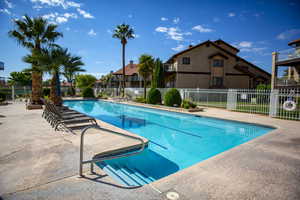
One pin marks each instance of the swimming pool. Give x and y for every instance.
(176, 140)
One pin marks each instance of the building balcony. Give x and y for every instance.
(288, 57)
(287, 83)
(169, 68)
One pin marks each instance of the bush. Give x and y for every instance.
(140, 100)
(172, 98)
(188, 104)
(88, 93)
(154, 96)
(2, 96)
(46, 91)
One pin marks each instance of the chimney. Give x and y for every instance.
(190, 46)
(131, 63)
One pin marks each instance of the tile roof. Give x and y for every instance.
(130, 70)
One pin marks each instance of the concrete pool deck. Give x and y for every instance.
(39, 163)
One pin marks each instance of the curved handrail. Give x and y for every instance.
(105, 157)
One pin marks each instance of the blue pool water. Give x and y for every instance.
(176, 140)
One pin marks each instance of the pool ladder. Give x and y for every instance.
(94, 160)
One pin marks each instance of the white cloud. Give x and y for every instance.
(8, 4)
(68, 29)
(216, 19)
(92, 33)
(136, 35)
(161, 29)
(61, 20)
(245, 44)
(178, 48)
(70, 15)
(164, 19)
(231, 14)
(109, 31)
(176, 20)
(50, 16)
(55, 3)
(130, 16)
(201, 29)
(5, 11)
(99, 62)
(37, 7)
(173, 33)
(85, 14)
(187, 33)
(288, 34)
(254, 49)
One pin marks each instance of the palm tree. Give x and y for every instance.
(123, 32)
(34, 34)
(71, 68)
(145, 68)
(52, 59)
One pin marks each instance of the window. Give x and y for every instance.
(217, 81)
(218, 63)
(186, 60)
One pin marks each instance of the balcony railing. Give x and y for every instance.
(288, 54)
(170, 68)
(287, 82)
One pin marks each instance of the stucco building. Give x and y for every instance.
(213, 64)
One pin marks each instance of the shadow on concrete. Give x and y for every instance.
(2, 116)
(99, 176)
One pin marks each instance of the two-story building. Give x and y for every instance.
(132, 78)
(287, 58)
(213, 64)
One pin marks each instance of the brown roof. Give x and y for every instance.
(208, 42)
(294, 42)
(130, 70)
(222, 41)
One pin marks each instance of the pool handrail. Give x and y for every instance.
(92, 161)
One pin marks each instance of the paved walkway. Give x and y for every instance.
(38, 163)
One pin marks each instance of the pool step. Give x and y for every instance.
(126, 175)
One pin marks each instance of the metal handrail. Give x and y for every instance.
(92, 161)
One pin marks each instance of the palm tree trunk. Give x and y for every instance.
(58, 90)
(36, 87)
(54, 91)
(123, 64)
(145, 95)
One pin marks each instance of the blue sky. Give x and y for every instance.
(162, 28)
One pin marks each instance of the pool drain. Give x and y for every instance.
(172, 196)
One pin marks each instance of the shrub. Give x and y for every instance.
(140, 100)
(172, 98)
(187, 104)
(2, 96)
(88, 93)
(46, 91)
(154, 96)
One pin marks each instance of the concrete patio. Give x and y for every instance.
(39, 163)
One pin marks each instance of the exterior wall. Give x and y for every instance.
(201, 66)
(237, 82)
(192, 81)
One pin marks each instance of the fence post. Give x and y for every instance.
(231, 99)
(13, 92)
(273, 103)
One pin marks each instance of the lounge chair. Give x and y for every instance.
(65, 118)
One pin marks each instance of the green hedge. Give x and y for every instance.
(2, 96)
(187, 104)
(88, 93)
(172, 98)
(140, 100)
(46, 92)
(154, 96)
